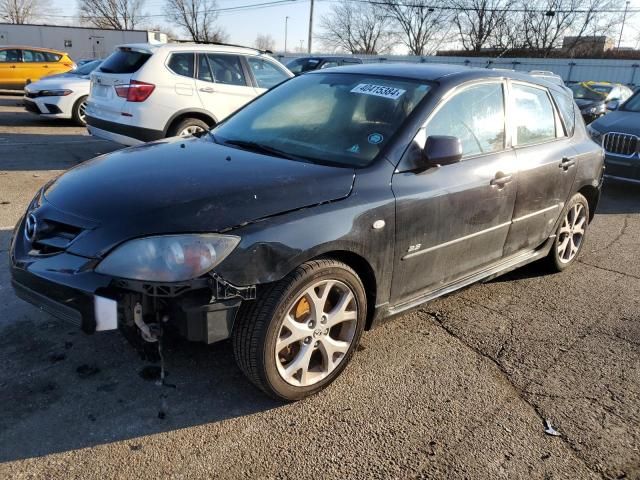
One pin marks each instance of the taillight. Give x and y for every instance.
(135, 92)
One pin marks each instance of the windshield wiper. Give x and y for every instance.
(259, 148)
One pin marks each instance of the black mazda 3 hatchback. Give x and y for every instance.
(335, 200)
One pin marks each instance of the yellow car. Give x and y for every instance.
(22, 65)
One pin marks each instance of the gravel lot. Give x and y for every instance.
(457, 389)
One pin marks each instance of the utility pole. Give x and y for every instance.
(624, 19)
(310, 26)
(286, 20)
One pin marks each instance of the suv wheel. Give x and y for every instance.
(301, 332)
(570, 234)
(189, 127)
(79, 112)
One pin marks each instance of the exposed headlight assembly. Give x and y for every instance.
(168, 258)
(595, 135)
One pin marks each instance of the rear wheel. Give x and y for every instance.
(301, 332)
(570, 234)
(79, 112)
(188, 127)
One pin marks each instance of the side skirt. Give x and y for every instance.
(507, 265)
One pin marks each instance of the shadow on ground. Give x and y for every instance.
(84, 390)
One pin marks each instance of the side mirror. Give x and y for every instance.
(613, 105)
(442, 150)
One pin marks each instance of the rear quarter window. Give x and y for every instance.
(566, 106)
(182, 64)
(124, 61)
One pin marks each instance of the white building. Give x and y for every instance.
(79, 42)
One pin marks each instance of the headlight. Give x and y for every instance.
(595, 135)
(168, 258)
(54, 93)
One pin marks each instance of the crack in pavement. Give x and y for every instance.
(624, 274)
(620, 234)
(520, 392)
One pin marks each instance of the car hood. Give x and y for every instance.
(58, 83)
(186, 185)
(619, 121)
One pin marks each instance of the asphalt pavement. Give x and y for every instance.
(460, 388)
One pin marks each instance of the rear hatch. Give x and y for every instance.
(118, 70)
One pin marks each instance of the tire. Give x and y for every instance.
(259, 327)
(78, 114)
(575, 214)
(195, 124)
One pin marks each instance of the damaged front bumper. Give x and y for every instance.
(67, 287)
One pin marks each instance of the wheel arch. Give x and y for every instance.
(364, 270)
(592, 194)
(203, 115)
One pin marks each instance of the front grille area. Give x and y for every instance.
(31, 107)
(620, 143)
(53, 237)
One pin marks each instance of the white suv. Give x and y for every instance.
(145, 92)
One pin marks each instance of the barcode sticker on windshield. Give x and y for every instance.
(378, 90)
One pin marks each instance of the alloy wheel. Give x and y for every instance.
(571, 233)
(316, 333)
(82, 112)
(191, 130)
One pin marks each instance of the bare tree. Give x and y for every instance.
(423, 28)
(21, 11)
(357, 28)
(115, 14)
(265, 42)
(479, 22)
(197, 18)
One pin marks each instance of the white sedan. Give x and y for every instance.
(61, 96)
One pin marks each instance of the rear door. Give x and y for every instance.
(117, 69)
(266, 74)
(452, 221)
(224, 86)
(546, 163)
(10, 71)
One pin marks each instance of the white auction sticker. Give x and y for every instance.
(378, 90)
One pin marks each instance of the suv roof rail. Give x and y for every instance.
(224, 45)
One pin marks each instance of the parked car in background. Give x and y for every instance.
(145, 92)
(20, 66)
(619, 134)
(332, 202)
(597, 98)
(307, 64)
(63, 95)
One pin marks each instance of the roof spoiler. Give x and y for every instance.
(224, 45)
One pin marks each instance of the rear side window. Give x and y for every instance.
(124, 61)
(533, 115)
(204, 72)
(181, 64)
(227, 69)
(31, 56)
(567, 111)
(9, 56)
(52, 57)
(476, 117)
(267, 75)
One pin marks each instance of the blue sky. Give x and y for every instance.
(243, 26)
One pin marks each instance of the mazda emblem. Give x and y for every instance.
(31, 227)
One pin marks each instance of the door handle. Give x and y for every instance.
(207, 90)
(500, 180)
(12, 66)
(566, 163)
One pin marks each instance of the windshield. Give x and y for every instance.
(303, 65)
(633, 104)
(87, 68)
(329, 118)
(584, 93)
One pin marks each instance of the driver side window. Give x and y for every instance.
(475, 116)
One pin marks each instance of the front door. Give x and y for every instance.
(452, 221)
(10, 72)
(546, 166)
(223, 87)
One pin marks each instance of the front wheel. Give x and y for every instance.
(570, 234)
(301, 332)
